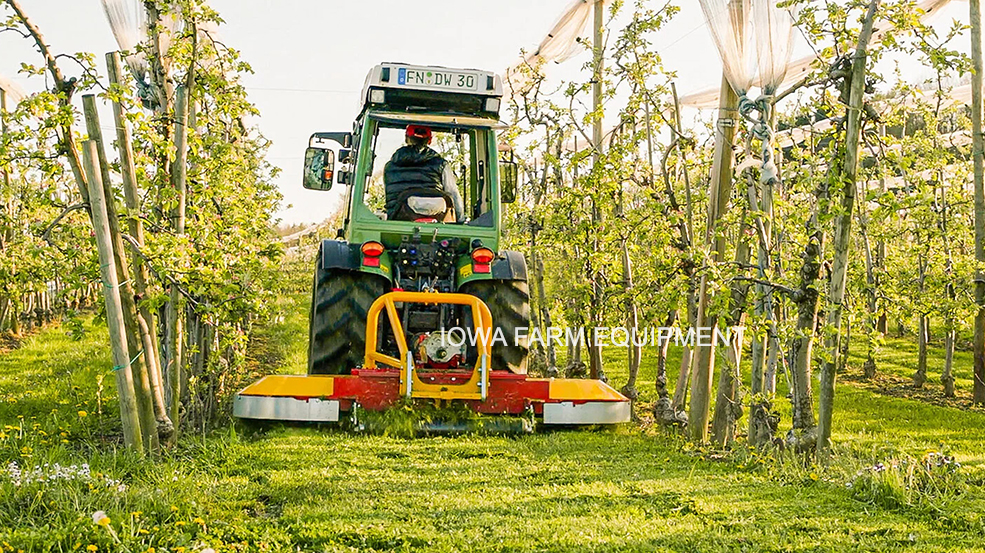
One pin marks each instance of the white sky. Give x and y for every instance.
(310, 57)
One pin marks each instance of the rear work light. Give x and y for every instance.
(371, 253)
(481, 257)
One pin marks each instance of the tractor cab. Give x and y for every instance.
(460, 110)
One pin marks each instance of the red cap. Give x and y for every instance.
(419, 131)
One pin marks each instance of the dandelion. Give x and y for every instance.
(813, 476)
(100, 518)
(179, 523)
(91, 547)
(198, 520)
(83, 414)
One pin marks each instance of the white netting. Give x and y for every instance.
(774, 43)
(569, 36)
(128, 21)
(753, 37)
(561, 43)
(730, 24)
(13, 93)
(797, 70)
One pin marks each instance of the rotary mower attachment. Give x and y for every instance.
(385, 381)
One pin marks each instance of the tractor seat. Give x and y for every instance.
(425, 206)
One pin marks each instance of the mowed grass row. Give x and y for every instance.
(313, 489)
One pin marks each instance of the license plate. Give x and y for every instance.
(448, 80)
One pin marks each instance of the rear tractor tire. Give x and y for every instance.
(509, 305)
(340, 301)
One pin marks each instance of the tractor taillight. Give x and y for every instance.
(372, 249)
(483, 255)
(371, 253)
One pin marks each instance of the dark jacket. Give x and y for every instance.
(411, 168)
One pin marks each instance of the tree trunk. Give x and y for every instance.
(762, 421)
(633, 351)
(920, 376)
(871, 282)
(947, 373)
(175, 320)
(842, 233)
(802, 437)
(687, 355)
(663, 409)
(728, 402)
(545, 316)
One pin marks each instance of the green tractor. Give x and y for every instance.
(424, 251)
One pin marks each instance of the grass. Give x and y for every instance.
(311, 489)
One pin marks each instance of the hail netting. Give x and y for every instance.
(924, 10)
(128, 21)
(753, 37)
(569, 36)
(730, 24)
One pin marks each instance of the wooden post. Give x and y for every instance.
(114, 308)
(703, 367)
(3, 130)
(842, 234)
(978, 153)
(595, 351)
(145, 407)
(148, 330)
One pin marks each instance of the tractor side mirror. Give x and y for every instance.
(507, 181)
(319, 169)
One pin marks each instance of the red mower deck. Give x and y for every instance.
(484, 389)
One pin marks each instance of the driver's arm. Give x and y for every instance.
(450, 185)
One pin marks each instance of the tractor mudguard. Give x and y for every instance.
(339, 254)
(345, 256)
(511, 266)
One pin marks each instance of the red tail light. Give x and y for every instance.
(482, 256)
(371, 253)
(372, 249)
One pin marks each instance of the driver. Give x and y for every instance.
(416, 166)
